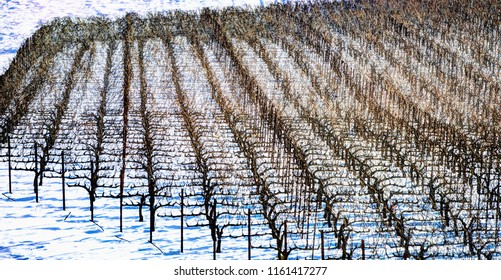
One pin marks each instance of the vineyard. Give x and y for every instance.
(326, 130)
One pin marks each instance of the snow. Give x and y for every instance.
(35, 231)
(44, 230)
(20, 19)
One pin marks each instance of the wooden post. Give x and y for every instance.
(63, 180)
(35, 181)
(10, 165)
(285, 236)
(151, 230)
(182, 219)
(122, 179)
(91, 193)
(322, 248)
(215, 239)
(249, 234)
(363, 249)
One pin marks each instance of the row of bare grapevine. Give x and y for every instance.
(346, 129)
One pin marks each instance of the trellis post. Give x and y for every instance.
(35, 181)
(285, 236)
(214, 241)
(63, 180)
(363, 249)
(249, 234)
(322, 244)
(10, 164)
(182, 220)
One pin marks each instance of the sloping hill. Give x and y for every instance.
(341, 130)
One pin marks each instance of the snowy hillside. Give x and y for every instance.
(300, 131)
(20, 19)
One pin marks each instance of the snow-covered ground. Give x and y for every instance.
(19, 19)
(43, 230)
(34, 231)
